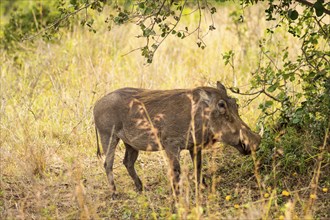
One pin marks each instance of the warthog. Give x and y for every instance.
(170, 120)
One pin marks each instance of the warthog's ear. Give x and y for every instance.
(221, 87)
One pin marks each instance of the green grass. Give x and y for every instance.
(49, 168)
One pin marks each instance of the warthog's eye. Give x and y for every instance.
(222, 107)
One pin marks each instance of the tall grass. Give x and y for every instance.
(49, 167)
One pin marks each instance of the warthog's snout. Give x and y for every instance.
(249, 141)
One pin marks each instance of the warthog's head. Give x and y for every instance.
(226, 124)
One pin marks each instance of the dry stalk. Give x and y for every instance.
(256, 169)
(194, 108)
(192, 131)
(316, 176)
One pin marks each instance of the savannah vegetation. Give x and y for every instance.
(59, 57)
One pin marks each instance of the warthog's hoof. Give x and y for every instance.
(113, 193)
(203, 184)
(142, 189)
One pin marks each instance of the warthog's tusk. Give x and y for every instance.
(241, 135)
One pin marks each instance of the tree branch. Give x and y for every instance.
(256, 93)
(311, 5)
(270, 96)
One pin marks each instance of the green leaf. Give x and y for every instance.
(319, 8)
(211, 27)
(296, 121)
(141, 5)
(213, 10)
(183, 36)
(281, 96)
(268, 103)
(154, 46)
(272, 88)
(286, 54)
(293, 14)
(292, 78)
(286, 76)
(148, 32)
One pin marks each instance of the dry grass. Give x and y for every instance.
(49, 168)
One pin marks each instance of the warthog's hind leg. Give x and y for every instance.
(109, 144)
(130, 157)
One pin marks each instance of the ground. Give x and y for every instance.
(78, 188)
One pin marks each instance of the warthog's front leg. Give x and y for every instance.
(173, 154)
(196, 158)
(130, 157)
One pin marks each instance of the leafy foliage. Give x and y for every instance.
(45, 18)
(24, 22)
(296, 113)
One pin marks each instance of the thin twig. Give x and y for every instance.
(271, 60)
(199, 20)
(240, 93)
(270, 96)
(131, 51)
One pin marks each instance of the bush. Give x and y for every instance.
(27, 19)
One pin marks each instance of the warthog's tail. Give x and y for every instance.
(98, 153)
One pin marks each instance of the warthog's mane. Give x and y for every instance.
(151, 96)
